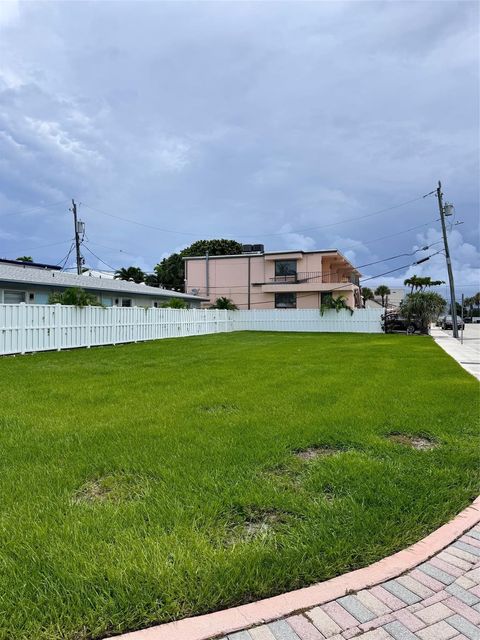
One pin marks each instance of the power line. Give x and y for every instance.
(262, 235)
(98, 258)
(35, 210)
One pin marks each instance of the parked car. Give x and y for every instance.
(396, 322)
(439, 321)
(468, 319)
(447, 322)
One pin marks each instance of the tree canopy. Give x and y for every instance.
(425, 306)
(74, 296)
(224, 303)
(171, 271)
(130, 273)
(383, 291)
(25, 259)
(421, 283)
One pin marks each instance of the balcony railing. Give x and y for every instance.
(303, 277)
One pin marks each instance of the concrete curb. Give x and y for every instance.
(248, 615)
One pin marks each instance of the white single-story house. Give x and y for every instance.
(33, 283)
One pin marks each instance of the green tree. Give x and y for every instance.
(224, 303)
(74, 296)
(421, 283)
(171, 271)
(424, 306)
(367, 294)
(338, 303)
(151, 280)
(383, 291)
(175, 303)
(130, 273)
(25, 259)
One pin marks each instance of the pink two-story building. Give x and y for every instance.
(273, 279)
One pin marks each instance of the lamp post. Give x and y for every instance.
(447, 210)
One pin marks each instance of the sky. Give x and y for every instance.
(282, 123)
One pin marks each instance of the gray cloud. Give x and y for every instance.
(239, 119)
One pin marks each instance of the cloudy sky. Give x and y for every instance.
(283, 123)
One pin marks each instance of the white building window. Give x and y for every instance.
(13, 297)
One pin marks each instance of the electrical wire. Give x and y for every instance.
(263, 235)
(36, 209)
(64, 260)
(98, 258)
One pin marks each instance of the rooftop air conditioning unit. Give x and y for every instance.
(195, 292)
(247, 248)
(260, 248)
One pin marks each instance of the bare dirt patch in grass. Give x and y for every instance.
(256, 523)
(421, 443)
(316, 452)
(219, 408)
(112, 487)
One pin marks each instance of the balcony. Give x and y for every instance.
(314, 277)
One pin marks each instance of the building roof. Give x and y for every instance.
(47, 277)
(255, 254)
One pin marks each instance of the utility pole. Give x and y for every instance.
(78, 227)
(449, 262)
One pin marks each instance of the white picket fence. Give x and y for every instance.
(28, 328)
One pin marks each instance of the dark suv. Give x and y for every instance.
(395, 322)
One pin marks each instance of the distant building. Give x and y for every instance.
(258, 279)
(394, 299)
(33, 282)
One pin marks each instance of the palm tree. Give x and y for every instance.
(338, 303)
(74, 296)
(383, 291)
(367, 294)
(424, 306)
(25, 259)
(130, 273)
(175, 303)
(224, 303)
(421, 283)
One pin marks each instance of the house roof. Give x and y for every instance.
(47, 277)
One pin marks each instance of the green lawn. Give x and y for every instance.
(150, 482)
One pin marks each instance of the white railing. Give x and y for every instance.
(28, 328)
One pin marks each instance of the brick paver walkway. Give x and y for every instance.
(438, 600)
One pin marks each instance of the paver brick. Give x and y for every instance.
(261, 633)
(357, 609)
(351, 633)
(437, 597)
(456, 562)
(471, 541)
(448, 568)
(378, 622)
(463, 546)
(464, 610)
(465, 582)
(474, 534)
(415, 586)
(428, 581)
(400, 631)
(401, 592)
(239, 635)
(434, 613)
(340, 615)
(475, 590)
(462, 594)
(409, 619)
(435, 572)
(282, 630)
(387, 598)
(464, 626)
(455, 551)
(304, 628)
(439, 631)
(377, 634)
(323, 622)
(474, 574)
(371, 602)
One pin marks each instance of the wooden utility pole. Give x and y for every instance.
(453, 304)
(77, 238)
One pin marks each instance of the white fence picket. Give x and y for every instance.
(29, 328)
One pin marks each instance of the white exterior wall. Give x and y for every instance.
(29, 328)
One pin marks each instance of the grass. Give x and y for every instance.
(150, 482)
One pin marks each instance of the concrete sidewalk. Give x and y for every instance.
(466, 354)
